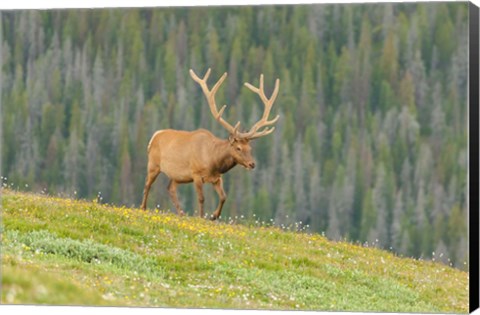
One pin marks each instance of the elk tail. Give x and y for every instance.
(151, 140)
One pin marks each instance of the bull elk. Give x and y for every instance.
(200, 157)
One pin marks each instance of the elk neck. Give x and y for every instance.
(224, 161)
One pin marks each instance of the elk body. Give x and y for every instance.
(199, 156)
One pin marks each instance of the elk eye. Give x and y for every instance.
(239, 149)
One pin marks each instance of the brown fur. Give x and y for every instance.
(194, 156)
(200, 157)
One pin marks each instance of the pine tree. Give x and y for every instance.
(73, 163)
(397, 228)
(262, 205)
(285, 203)
(379, 234)
(92, 162)
(302, 211)
(126, 191)
(389, 59)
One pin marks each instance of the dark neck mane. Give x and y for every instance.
(225, 161)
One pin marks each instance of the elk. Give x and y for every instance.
(200, 157)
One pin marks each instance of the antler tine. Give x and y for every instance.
(236, 128)
(207, 75)
(261, 84)
(220, 112)
(275, 91)
(219, 82)
(210, 96)
(268, 102)
(262, 133)
(197, 79)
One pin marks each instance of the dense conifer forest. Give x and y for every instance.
(371, 145)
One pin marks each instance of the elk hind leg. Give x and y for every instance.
(152, 173)
(172, 191)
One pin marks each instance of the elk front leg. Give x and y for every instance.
(201, 199)
(218, 185)
(152, 173)
(172, 191)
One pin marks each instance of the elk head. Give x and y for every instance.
(241, 151)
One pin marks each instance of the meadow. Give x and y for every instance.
(76, 252)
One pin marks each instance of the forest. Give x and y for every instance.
(372, 141)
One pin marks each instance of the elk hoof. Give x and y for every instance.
(213, 217)
(181, 213)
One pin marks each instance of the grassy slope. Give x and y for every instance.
(61, 251)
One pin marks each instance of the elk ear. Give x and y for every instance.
(232, 139)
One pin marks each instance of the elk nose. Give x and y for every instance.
(252, 165)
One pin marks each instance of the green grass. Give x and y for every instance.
(62, 251)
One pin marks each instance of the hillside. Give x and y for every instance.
(63, 251)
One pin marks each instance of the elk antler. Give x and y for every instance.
(210, 96)
(263, 122)
(254, 132)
